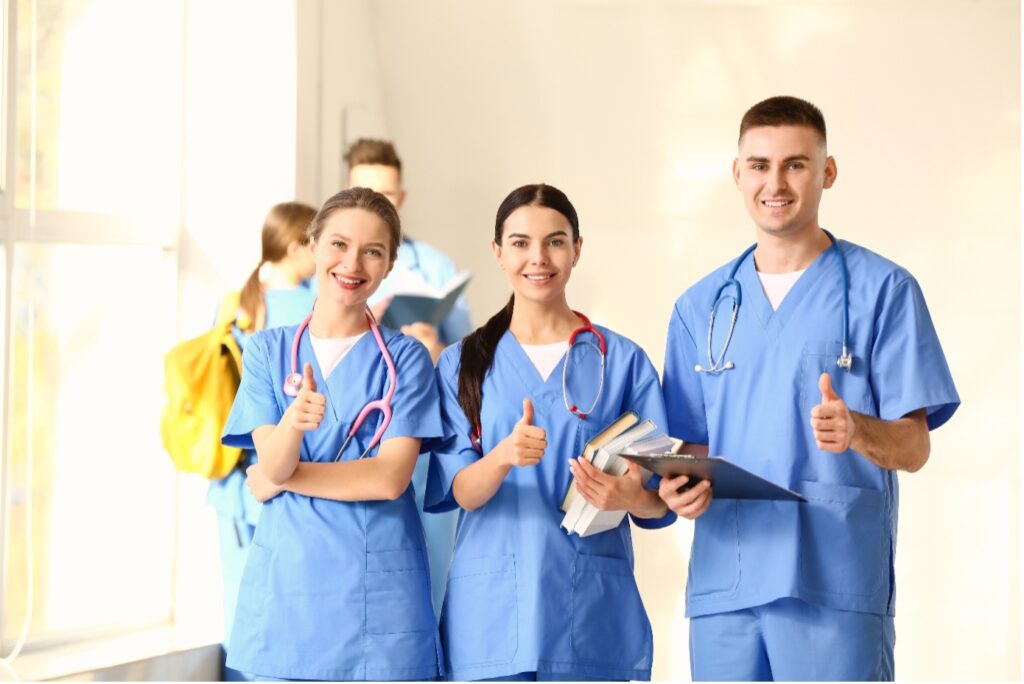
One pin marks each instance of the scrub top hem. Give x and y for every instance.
(490, 671)
(700, 606)
(355, 674)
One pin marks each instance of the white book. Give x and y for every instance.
(585, 519)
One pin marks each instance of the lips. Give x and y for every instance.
(539, 277)
(348, 282)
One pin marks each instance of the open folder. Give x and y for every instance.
(728, 480)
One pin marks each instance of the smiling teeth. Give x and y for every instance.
(538, 277)
(348, 281)
(777, 203)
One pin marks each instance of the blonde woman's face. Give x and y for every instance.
(352, 256)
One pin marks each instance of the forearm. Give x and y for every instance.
(367, 479)
(477, 483)
(901, 444)
(277, 450)
(648, 505)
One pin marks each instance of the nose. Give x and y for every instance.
(539, 254)
(777, 179)
(351, 260)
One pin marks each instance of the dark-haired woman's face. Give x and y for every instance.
(537, 253)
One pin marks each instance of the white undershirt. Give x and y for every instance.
(546, 356)
(330, 351)
(777, 285)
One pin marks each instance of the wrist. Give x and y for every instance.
(648, 505)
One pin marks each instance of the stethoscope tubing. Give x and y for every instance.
(476, 436)
(716, 366)
(293, 382)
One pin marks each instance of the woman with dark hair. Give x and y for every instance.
(520, 397)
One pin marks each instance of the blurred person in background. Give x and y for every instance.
(276, 294)
(375, 164)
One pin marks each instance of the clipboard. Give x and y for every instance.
(728, 479)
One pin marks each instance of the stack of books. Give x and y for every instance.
(626, 434)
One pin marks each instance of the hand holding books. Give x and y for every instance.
(607, 492)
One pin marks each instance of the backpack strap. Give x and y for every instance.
(228, 311)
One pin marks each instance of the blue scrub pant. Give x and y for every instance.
(793, 640)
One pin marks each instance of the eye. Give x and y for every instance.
(758, 166)
(374, 252)
(519, 243)
(557, 242)
(796, 166)
(337, 244)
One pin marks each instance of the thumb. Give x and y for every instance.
(825, 385)
(308, 382)
(527, 418)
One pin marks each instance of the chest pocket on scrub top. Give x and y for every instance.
(820, 356)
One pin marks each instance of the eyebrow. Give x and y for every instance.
(549, 235)
(794, 157)
(345, 237)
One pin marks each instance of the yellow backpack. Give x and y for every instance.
(201, 377)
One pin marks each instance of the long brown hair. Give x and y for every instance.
(479, 346)
(285, 223)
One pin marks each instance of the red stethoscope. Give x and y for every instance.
(602, 351)
(293, 383)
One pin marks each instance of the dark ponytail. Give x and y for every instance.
(479, 346)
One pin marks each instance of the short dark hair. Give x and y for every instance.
(371, 151)
(784, 110)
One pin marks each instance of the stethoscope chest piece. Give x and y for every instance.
(292, 384)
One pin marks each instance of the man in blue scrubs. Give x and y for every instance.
(784, 590)
(375, 164)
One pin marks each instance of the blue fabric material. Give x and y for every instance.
(237, 511)
(436, 269)
(836, 550)
(336, 590)
(523, 595)
(791, 640)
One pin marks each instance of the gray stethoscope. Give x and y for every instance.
(716, 366)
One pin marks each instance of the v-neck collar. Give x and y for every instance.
(543, 391)
(773, 321)
(323, 384)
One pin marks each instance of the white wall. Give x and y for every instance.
(632, 108)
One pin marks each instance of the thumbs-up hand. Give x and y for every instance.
(309, 406)
(526, 445)
(831, 420)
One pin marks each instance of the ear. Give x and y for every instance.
(400, 199)
(830, 172)
(736, 172)
(496, 248)
(391, 265)
(577, 249)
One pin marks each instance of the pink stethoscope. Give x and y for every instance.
(293, 383)
(602, 350)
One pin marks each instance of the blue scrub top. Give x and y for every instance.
(229, 496)
(523, 595)
(436, 269)
(838, 549)
(336, 590)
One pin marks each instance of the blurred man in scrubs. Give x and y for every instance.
(375, 164)
(791, 391)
